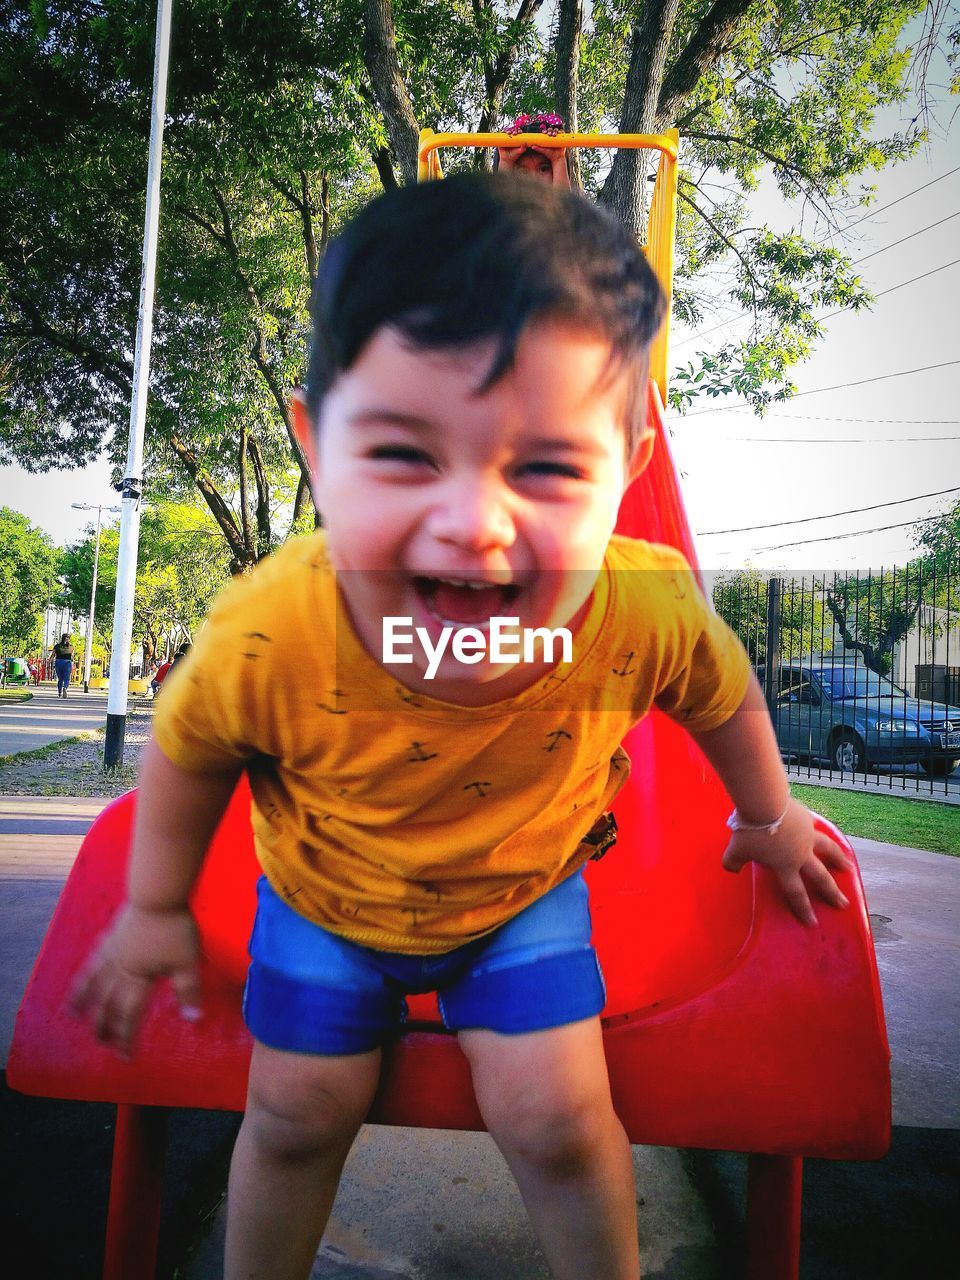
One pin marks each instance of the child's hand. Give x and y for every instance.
(141, 946)
(798, 855)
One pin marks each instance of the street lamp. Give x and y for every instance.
(88, 643)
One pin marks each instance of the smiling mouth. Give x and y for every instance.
(465, 602)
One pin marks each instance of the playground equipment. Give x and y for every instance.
(16, 671)
(728, 1025)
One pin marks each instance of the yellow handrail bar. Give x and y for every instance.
(662, 218)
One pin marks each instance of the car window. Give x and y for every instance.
(858, 682)
(793, 681)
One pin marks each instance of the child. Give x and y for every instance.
(473, 413)
(547, 163)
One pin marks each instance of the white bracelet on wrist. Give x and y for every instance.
(736, 823)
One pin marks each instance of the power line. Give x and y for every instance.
(840, 386)
(912, 422)
(880, 209)
(858, 533)
(912, 236)
(854, 511)
(842, 439)
(830, 314)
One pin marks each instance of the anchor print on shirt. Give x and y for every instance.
(255, 635)
(419, 755)
(406, 696)
(482, 788)
(626, 669)
(335, 696)
(555, 738)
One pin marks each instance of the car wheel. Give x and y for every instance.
(940, 768)
(847, 753)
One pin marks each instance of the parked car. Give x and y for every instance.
(840, 711)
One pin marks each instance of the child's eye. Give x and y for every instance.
(564, 469)
(399, 453)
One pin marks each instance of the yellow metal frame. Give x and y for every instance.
(662, 219)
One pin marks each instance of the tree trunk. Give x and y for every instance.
(244, 497)
(241, 557)
(497, 73)
(713, 38)
(383, 66)
(624, 191)
(567, 76)
(306, 221)
(263, 497)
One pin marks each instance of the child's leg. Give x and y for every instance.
(303, 1112)
(545, 1097)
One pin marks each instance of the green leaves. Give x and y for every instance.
(28, 565)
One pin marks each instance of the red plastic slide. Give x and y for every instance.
(728, 1024)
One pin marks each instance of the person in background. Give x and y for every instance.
(63, 663)
(546, 163)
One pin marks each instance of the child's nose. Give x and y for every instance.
(473, 516)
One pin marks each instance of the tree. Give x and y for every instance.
(279, 125)
(741, 597)
(28, 566)
(874, 611)
(254, 139)
(183, 562)
(938, 539)
(790, 88)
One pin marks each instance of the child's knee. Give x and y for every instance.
(557, 1136)
(309, 1110)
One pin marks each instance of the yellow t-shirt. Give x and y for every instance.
(408, 824)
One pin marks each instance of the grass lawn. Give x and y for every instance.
(15, 695)
(920, 824)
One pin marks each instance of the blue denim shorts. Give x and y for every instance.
(310, 991)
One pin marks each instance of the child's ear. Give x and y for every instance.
(303, 429)
(642, 454)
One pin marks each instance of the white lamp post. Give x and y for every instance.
(88, 643)
(132, 480)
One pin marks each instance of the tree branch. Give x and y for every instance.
(306, 222)
(497, 73)
(383, 66)
(117, 372)
(777, 161)
(567, 76)
(712, 38)
(263, 496)
(219, 509)
(754, 282)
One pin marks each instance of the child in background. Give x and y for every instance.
(547, 163)
(474, 412)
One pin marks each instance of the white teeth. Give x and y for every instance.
(474, 586)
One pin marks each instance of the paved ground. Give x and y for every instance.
(24, 726)
(430, 1205)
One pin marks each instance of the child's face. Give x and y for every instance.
(424, 485)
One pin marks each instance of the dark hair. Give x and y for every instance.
(480, 256)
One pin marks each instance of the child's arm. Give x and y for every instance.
(153, 934)
(746, 756)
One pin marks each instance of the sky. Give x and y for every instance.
(891, 442)
(826, 451)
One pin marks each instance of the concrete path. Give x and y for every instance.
(24, 726)
(432, 1205)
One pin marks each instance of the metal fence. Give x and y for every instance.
(861, 672)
